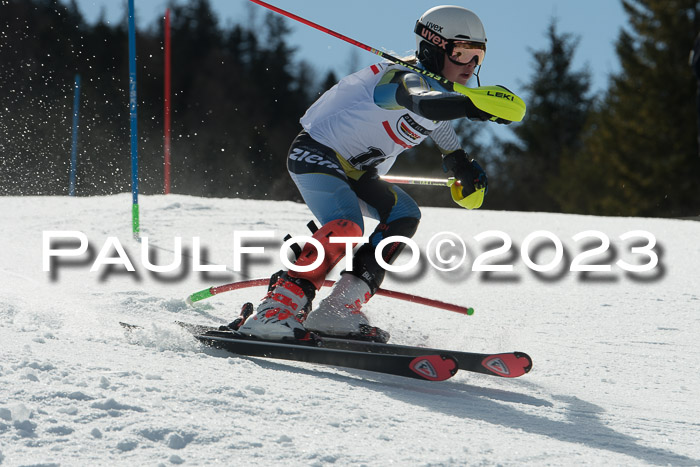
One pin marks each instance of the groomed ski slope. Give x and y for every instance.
(615, 378)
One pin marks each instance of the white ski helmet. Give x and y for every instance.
(440, 28)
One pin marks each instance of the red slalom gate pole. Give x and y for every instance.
(211, 291)
(321, 28)
(166, 106)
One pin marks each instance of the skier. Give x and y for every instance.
(351, 135)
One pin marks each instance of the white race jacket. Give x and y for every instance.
(347, 119)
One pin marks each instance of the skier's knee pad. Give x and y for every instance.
(333, 252)
(365, 265)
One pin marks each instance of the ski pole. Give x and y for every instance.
(400, 180)
(496, 100)
(211, 291)
(383, 55)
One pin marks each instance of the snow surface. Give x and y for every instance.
(615, 378)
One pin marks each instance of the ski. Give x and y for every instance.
(506, 365)
(427, 366)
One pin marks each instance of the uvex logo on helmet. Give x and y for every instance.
(431, 36)
(433, 26)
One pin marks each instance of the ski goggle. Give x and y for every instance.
(463, 52)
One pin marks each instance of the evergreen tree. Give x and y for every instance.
(558, 106)
(330, 81)
(641, 153)
(237, 96)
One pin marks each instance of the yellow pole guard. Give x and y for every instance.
(471, 201)
(496, 100)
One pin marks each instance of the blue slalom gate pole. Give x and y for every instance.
(132, 113)
(74, 144)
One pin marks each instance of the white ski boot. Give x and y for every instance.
(276, 316)
(280, 314)
(339, 314)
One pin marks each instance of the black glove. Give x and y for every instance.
(502, 121)
(475, 113)
(469, 173)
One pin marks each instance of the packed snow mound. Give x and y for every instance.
(615, 351)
